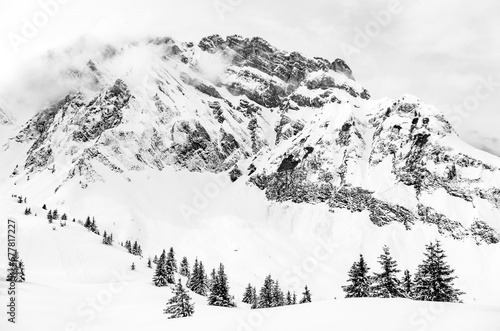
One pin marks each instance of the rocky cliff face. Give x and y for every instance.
(301, 129)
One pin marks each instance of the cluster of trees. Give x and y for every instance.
(271, 295)
(166, 267)
(16, 269)
(433, 280)
(27, 211)
(107, 240)
(91, 225)
(134, 249)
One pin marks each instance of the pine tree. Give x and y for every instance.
(266, 293)
(160, 276)
(88, 223)
(359, 280)
(407, 285)
(184, 267)
(255, 299)
(44, 207)
(278, 297)
(198, 282)
(64, 217)
(105, 238)
(288, 298)
(306, 296)
(171, 266)
(434, 280)
(294, 299)
(219, 290)
(180, 304)
(248, 294)
(132, 266)
(27, 211)
(386, 284)
(49, 216)
(21, 277)
(149, 263)
(55, 215)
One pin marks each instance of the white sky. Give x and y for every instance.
(436, 50)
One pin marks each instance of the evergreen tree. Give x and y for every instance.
(171, 266)
(306, 296)
(219, 290)
(88, 223)
(266, 293)
(160, 276)
(294, 299)
(184, 267)
(278, 297)
(359, 280)
(27, 211)
(155, 260)
(180, 304)
(254, 298)
(171, 260)
(198, 282)
(288, 298)
(132, 266)
(434, 277)
(64, 217)
(149, 263)
(248, 294)
(21, 277)
(44, 207)
(386, 284)
(49, 216)
(55, 215)
(407, 285)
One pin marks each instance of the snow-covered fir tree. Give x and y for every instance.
(359, 280)
(248, 294)
(434, 277)
(180, 304)
(171, 266)
(149, 263)
(219, 290)
(266, 293)
(278, 297)
(198, 282)
(386, 284)
(288, 300)
(407, 285)
(184, 268)
(160, 275)
(306, 296)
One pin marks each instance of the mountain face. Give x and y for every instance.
(300, 129)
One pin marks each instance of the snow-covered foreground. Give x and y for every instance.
(76, 283)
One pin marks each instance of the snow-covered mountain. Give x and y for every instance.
(236, 151)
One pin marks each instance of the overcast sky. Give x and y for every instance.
(441, 51)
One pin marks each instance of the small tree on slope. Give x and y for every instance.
(180, 304)
(219, 290)
(248, 295)
(434, 280)
(160, 276)
(359, 280)
(184, 267)
(407, 285)
(386, 284)
(266, 293)
(306, 296)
